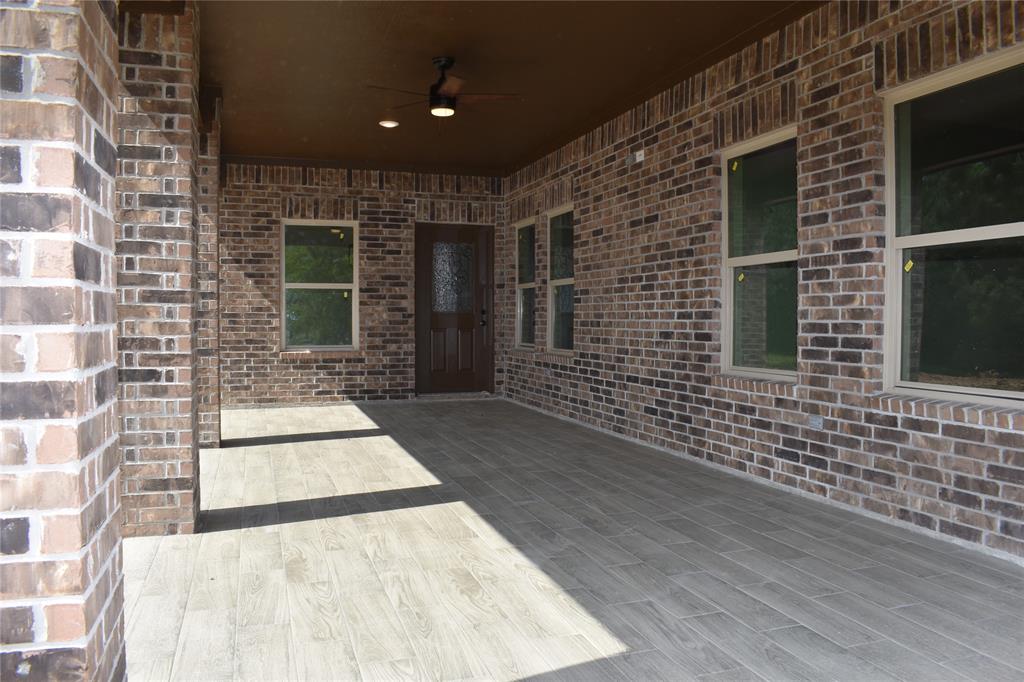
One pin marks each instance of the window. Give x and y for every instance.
(320, 305)
(561, 280)
(526, 284)
(760, 274)
(955, 267)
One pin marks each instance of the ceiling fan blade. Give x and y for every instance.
(406, 92)
(451, 86)
(409, 104)
(471, 97)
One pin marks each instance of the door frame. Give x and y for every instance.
(421, 348)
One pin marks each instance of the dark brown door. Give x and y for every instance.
(454, 340)
(454, 343)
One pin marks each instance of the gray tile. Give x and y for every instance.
(768, 568)
(769, 544)
(827, 656)
(984, 669)
(897, 628)
(656, 531)
(607, 586)
(704, 535)
(718, 565)
(752, 649)
(649, 665)
(752, 612)
(603, 550)
(949, 624)
(694, 653)
(929, 591)
(903, 662)
(861, 585)
(654, 554)
(821, 619)
(671, 596)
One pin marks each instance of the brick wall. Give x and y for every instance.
(156, 262)
(648, 268)
(254, 199)
(60, 540)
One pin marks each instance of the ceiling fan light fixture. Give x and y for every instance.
(441, 106)
(388, 123)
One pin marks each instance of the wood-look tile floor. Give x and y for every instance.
(481, 540)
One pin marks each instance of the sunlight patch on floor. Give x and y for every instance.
(400, 578)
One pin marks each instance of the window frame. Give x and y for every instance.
(895, 244)
(523, 224)
(552, 283)
(353, 286)
(730, 264)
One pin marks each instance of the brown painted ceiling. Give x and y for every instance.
(294, 74)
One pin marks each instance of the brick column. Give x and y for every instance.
(156, 261)
(60, 517)
(208, 327)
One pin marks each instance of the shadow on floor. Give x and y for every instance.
(285, 438)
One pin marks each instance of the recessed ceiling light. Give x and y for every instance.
(388, 123)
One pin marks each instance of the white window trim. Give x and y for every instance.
(893, 336)
(729, 265)
(353, 287)
(529, 222)
(552, 283)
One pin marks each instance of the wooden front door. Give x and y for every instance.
(454, 341)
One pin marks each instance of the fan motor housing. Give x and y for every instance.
(439, 100)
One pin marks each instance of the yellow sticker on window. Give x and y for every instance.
(735, 165)
(344, 294)
(741, 277)
(908, 266)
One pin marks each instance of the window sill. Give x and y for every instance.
(950, 406)
(784, 386)
(553, 354)
(300, 353)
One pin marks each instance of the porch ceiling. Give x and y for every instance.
(294, 74)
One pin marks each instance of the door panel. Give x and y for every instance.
(438, 339)
(466, 350)
(454, 342)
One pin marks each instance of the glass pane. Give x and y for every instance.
(318, 317)
(764, 316)
(762, 200)
(527, 255)
(562, 314)
(561, 246)
(960, 156)
(453, 277)
(963, 314)
(318, 255)
(527, 315)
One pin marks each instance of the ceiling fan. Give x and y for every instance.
(446, 92)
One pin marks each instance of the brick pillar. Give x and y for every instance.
(60, 518)
(208, 377)
(156, 261)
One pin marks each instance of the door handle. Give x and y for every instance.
(483, 317)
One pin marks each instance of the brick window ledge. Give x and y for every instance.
(785, 388)
(948, 409)
(553, 356)
(320, 354)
